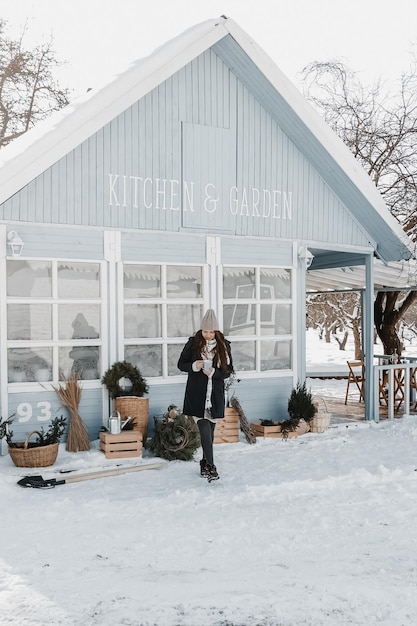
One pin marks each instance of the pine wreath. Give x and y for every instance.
(176, 437)
(124, 369)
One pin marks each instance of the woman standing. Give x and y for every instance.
(207, 359)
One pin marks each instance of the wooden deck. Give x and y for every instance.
(354, 410)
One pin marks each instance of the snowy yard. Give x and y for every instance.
(314, 531)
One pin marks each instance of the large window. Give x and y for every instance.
(162, 307)
(257, 316)
(53, 320)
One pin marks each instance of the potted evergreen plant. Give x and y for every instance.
(41, 452)
(127, 388)
(301, 410)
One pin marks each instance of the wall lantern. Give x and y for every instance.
(15, 243)
(305, 256)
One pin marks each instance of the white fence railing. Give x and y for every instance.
(397, 383)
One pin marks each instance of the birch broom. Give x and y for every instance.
(70, 395)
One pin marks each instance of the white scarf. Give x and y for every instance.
(208, 353)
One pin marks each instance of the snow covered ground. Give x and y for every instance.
(317, 530)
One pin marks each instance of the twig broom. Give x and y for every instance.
(70, 395)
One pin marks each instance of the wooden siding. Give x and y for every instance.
(240, 250)
(50, 242)
(163, 247)
(148, 169)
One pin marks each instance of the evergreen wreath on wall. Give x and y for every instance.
(124, 369)
(176, 436)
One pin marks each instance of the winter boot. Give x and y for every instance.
(212, 473)
(204, 472)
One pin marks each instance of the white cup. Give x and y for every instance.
(207, 365)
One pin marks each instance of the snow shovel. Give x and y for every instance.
(37, 482)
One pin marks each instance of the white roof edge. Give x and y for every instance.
(50, 140)
(319, 128)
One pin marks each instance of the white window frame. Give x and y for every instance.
(258, 338)
(164, 301)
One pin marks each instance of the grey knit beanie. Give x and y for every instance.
(209, 321)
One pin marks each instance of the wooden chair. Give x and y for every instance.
(413, 387)
(356, 377)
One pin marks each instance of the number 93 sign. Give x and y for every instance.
(40, 412)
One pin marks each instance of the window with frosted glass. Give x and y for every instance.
(244, 355)
(29, 321)
(146, 357)
(275, 283)
(176, 293)
(29, 365)
(78, 280)
(184, 282)
(29, 278)
(275, 355)
(84, 360)
(79, 321)
(257, 317)
(142, 320)
(183, 319)
(142, 281)
(49, 304)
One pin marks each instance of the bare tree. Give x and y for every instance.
(28, 90)
(381, 132)
(336, 313)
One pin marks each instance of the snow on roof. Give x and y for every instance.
(41, 147)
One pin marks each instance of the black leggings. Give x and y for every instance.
(206, 428)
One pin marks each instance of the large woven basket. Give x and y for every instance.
(321, 421)
(137, 409)
(37, 456)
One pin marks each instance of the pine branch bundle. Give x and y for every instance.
(243, 420)
(175, 438)
(70, 395)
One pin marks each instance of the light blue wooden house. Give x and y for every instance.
(199, 178)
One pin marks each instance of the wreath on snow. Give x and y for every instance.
(121, 370)
(176, 436)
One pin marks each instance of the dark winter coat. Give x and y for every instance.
(196, 387)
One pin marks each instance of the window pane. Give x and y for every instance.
(183, 320)
(142, 320)
(174, 352)
(78, 280)
(184, 282)
(275, 319)
(142, 281)
(239, 319)
(82, 359)
(29, 278)
(275, 284)
(275, 355)
(29, 321)
(78, 321)
(29, 365)
(243, 353)
(148, 359)
(238, 282)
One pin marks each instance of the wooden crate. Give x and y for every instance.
(125, 445)
(227, 427)
(269, 431)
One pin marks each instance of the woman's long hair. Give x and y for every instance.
(220, 351)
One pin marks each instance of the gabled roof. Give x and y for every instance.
(40, 148)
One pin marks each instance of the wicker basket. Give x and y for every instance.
(321, 420)
(38, 456)
(137, 409)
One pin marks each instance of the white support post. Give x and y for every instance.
(368, 342)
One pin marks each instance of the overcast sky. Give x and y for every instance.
(99, 38)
